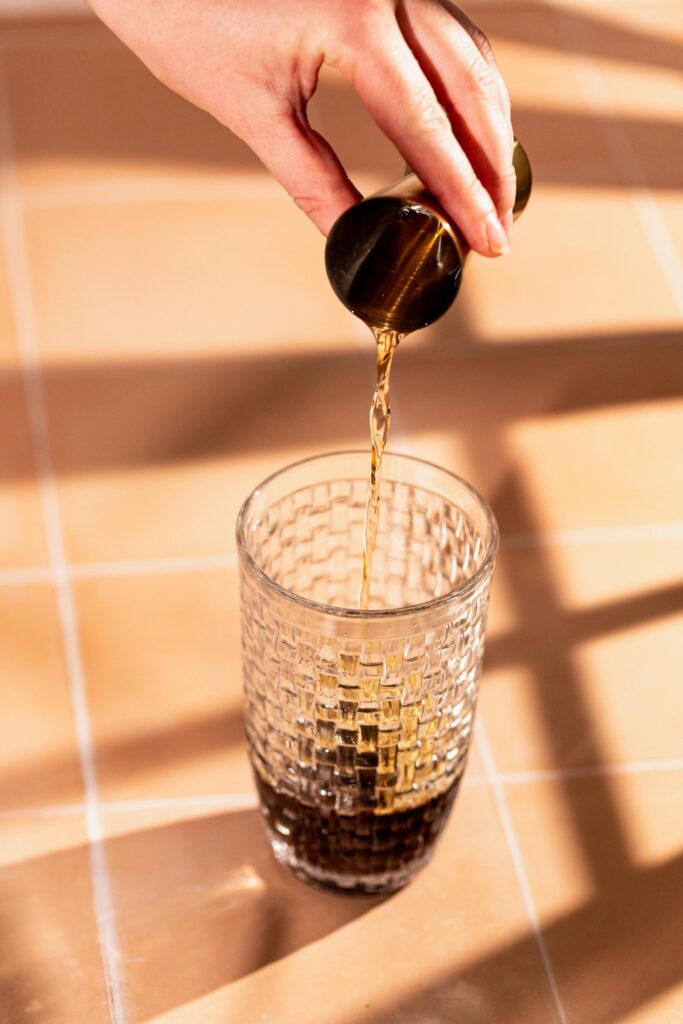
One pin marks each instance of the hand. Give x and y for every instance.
(423, 70)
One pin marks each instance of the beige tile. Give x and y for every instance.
(183, 509)
(7, 327)
(455, 944)
(51, 967)
(580, 264)
(173, 391)
(85, 108)
(611, 466)
(583, 661)
(155, 459)
(640, 112)
(551, 116)
(238, 276)
(606, 877)
(627, 69)
(570, 432)
(38, 757)
(670, 205)
(530, 50)
(336, 111)
(162, 663)
(637, 29)
(21, 531)
(157, 464)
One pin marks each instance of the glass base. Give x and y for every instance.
(372, 884)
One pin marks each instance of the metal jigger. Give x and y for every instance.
(395, 259)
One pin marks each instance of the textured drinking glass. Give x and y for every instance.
(359, 722)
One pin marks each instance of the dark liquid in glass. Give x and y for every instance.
(356, 844)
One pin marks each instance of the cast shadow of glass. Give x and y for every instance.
(200, 903)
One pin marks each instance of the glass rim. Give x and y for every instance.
(457, 595)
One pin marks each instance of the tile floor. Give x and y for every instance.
(153, 282)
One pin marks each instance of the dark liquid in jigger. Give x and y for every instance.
(401, 268)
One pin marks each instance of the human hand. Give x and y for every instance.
(422, 68)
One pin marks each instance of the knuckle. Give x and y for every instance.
(483, 79)
(509, 178)
(509, 184)
(365, 20)
(505, 97)
(431, 120)
(472, 187)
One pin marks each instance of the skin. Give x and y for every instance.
(424, 71)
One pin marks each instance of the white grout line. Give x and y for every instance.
(125, 567)
(238, 801)
(672, 764)
(22, 577)
(58, 811)
(219, 801)
(652, 533)
(215, 801)
(244, 801)
(153, 566)
(28, 356)
(645, 533)
(626, 163)
(518, 863)
(195, 187)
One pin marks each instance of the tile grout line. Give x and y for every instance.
(498, 792)
(492, 781)
(124, 567)
(240, 801)
(522, 778)
(152, 566)
(580, 536)
(28, 357)
(627, 164)
(150, 189)
(218, 801)
(647, 533)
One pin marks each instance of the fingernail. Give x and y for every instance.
(496, 235)
(507, 223)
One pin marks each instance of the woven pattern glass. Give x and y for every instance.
(359, 722)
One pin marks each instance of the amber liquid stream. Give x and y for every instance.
(380, 418)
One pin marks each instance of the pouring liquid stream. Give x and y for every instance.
(380, 416)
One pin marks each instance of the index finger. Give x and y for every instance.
(398, 95)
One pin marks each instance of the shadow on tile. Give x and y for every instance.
(71, 124)
(109, 416)
(580, 625)
(50, 964)
(568, 148)
(611, 955)
(49, 781)
(568, 729)
(20, 987)
(199, 904)
(579, 32)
